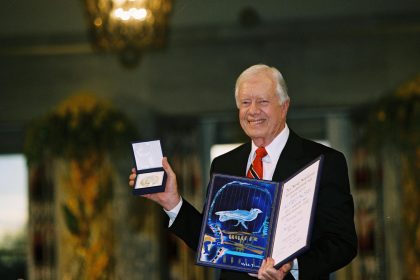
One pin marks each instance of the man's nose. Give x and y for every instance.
(254, 108)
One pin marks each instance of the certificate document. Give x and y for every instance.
(295, 213)
(246, 220)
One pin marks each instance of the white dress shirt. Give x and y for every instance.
(274, 150)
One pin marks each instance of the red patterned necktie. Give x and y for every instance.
(256, 169)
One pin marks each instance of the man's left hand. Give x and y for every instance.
(268, 272)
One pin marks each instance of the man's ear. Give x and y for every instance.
(285, 108)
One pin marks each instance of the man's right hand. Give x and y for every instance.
(170, 197)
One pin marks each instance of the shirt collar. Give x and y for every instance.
(276, 146)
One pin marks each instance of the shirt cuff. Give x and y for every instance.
(173, 212)
(295, 269)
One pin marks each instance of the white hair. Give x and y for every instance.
(281, 88)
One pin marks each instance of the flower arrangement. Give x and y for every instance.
(81, 125)
(76, 139)
(396, 117)
(395, 127)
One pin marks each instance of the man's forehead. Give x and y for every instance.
(257, 88)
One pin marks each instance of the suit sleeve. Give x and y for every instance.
(187, 224)
(334, 242)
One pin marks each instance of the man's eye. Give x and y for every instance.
(263, 102)
(245, 102)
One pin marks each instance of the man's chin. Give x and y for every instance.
(254, 134)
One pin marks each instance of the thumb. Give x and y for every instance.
(166, 165)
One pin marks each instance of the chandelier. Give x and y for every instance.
(128, 26)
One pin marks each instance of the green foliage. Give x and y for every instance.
(105, 193)
(77, 133)
(395, 120)
(72, 222)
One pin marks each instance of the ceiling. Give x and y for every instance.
(48, 17)
(334, 54)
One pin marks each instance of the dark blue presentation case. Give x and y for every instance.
(242, 218)
(151, 177)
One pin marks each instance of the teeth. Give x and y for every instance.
(256, 121)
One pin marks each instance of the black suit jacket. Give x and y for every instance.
(333, 243)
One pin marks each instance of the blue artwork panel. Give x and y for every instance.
(237, 222)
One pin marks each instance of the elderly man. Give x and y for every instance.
(263, 102)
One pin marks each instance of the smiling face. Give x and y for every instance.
(261, 115)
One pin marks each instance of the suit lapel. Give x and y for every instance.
(239, 167)
(291, 158)
(235, 161)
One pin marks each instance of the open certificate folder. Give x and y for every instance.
(246, 220)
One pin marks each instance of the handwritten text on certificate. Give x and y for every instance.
(293, 221)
